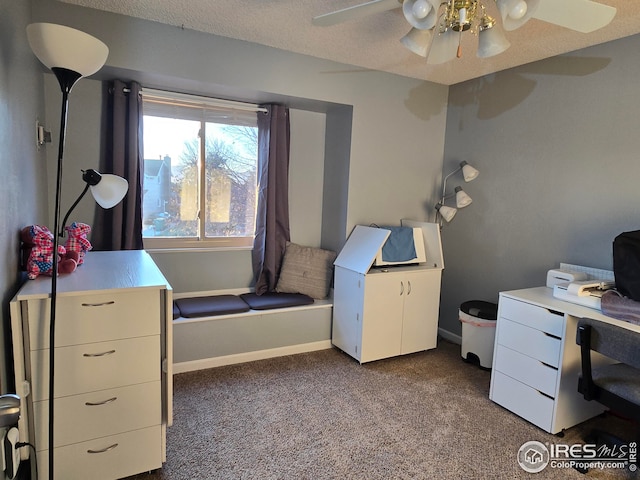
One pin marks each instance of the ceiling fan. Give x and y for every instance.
(437, 25)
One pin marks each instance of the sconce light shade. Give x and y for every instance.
(446, 212)
(491, 41)
(58, 46)
(462, 199)
(468, 172)
(516, 13)
(418, 41)
(421, 14)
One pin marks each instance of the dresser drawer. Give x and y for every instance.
(527, 370)
(106, 458)
(96, 366)
(93, 318)
(522, 400)
(529, 341)
(98, 414)
(532, 316)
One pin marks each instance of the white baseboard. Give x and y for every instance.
(204, 363)
(452, 337)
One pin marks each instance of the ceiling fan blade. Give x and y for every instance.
(357, 11)
(581, 15)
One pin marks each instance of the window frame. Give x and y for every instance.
(182, 100)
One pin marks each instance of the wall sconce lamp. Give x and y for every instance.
(462, 199)
(70, 54)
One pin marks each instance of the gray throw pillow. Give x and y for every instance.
(306, 270)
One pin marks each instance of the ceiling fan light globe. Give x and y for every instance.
(444, 48)
(516, 13)
(491, 42)
(418, 41)
(519, 10)
(421, 9)
(413, 11)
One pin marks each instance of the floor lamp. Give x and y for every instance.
(70, 54)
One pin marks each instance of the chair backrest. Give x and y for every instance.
(615, 342)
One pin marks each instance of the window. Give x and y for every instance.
(200, 162)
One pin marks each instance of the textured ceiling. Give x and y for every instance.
(371, 42)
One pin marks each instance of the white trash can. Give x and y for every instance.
(478, 331)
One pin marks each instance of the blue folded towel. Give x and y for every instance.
(400, 246)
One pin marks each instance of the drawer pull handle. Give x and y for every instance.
(111, 447)
(98, 304)
(101, 354)
(104, 402)
(552, 336)
(409, 288)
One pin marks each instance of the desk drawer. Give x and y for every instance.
(97, 366)
(529, 341)
(96, 318)
(526, 369)
(117, 456)
(522, 400)
(532, 316)
(98, 414)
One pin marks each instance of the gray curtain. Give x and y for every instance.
(120, 228)
(272, 216)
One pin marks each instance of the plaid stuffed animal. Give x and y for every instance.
(40, 242)
(77, 239)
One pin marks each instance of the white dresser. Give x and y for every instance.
(112, 372)
(536, 360)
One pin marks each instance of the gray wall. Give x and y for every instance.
(383, 172)
(556, 143)
(23, 194)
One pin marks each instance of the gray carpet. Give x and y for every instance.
(321, 415)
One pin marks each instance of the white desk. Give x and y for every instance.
(536, 360)
(113, 379)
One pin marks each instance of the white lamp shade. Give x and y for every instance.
(516, 13)
(65, 47)
(421, 14)
(462, 199)
(446, 212)
(418, 41)
(491, 41)
(468, 172)
(444, 48)
(110, 190)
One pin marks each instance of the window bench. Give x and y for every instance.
(214, 340)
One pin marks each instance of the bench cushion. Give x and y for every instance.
(209, 306)
(176, 311)
(268, 301)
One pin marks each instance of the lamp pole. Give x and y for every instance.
(67, 79)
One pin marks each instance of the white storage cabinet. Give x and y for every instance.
(112, 370)
(385, 312)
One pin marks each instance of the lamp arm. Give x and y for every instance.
(66, 217)
(444, 182)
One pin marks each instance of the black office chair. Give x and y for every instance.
(616, 386)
